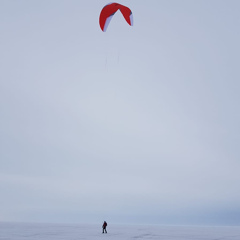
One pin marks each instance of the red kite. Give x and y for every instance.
(109, 10)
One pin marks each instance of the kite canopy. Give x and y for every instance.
(109, 10)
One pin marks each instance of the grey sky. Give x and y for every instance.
(139, 124)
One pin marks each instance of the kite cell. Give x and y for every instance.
(109, 10)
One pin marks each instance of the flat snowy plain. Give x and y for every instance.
(36, 231)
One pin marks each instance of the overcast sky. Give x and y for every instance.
(135, 125)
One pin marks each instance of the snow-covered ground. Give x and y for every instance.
(24, 231)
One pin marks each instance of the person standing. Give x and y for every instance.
(104, 226)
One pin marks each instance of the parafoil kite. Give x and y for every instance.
(109, 10)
